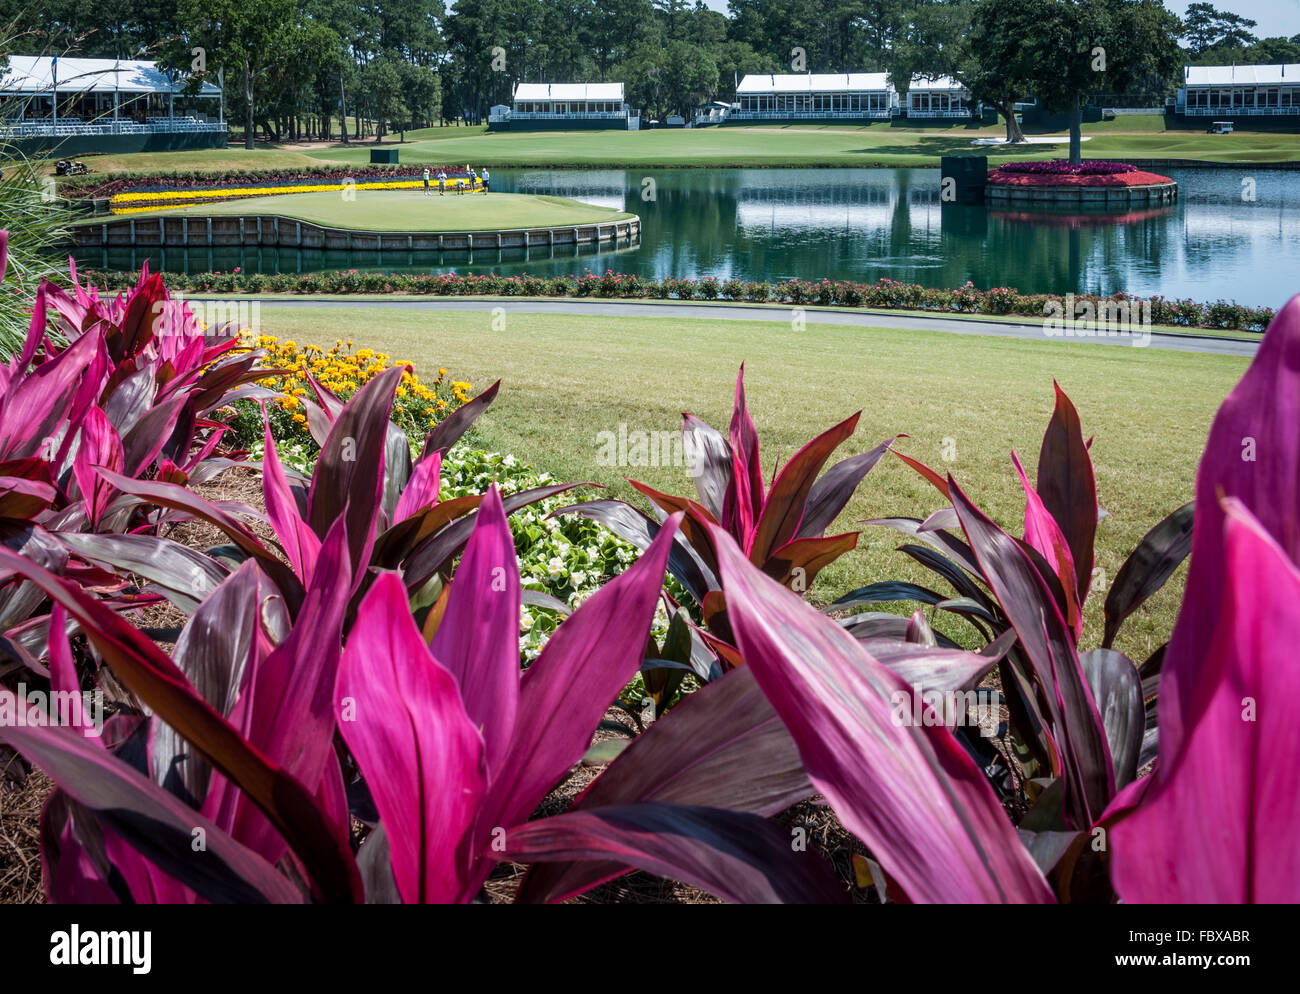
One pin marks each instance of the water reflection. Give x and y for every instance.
(864, 224)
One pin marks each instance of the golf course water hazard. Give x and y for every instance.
(1232, 233)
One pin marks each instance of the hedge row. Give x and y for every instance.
(967, 299)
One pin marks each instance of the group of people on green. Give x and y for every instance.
(471, 178)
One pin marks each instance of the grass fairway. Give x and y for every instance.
(828, 145)
(411, 210)
(568, 378)
(879, 144)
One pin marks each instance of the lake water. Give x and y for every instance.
(1232, 233)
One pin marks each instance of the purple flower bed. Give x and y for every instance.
(1059, 167)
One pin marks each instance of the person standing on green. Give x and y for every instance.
(442, 181)
(426, 181)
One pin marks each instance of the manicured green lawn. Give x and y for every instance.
(410, 210)
(230, 159)
(1139, 137)
(872, 145)
(566, 379)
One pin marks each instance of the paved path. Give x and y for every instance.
(754, 312)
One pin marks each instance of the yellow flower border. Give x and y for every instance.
(269, 191)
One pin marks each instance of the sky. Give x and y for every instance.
(1275, 17)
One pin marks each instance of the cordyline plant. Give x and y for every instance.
(128, 384)
(364, 475)
(1218, 820)
(1082, 723)
(781, 528)
(457, 749)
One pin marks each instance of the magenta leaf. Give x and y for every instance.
(1067, 487)
(1220, 822)
(907, 790)
(565, 692)
(299, 542)
(1062, 692)
(401, 714)
(783, 510)
(1044, 534)
(421, 491)
(156, 824)
(722, 747)
(739, 857)
(744, 500)
(477, 640)
(1253, 454)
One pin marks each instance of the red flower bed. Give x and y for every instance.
(1135, 178)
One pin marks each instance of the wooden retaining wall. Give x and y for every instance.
(1084, 196)
(200, 231)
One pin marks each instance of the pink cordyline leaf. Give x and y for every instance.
(1062, 692)
(783, 508)
(477, 639)
(37, 404)
(565, 692)
(297, 539)
(1044, 534)
(402, 716)
(421, 490)
(744, 500)
(1253, 454)
(740, 857)
(1220, 823)
(285, 709)
(910, 792)
(147, 883)
(4, 253)
(100, 446)
(1068, 488)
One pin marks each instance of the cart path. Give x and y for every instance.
(899, 320)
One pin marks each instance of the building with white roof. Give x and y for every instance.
(49, 96)
(1230, 91)
(551, 105)
(845, 96)
(814, 96)
(937, 96)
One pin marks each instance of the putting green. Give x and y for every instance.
(408, 210)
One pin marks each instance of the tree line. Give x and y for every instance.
(350, 69)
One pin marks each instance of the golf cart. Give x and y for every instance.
(1220, 128)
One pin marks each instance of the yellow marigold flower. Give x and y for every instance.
(300, 418)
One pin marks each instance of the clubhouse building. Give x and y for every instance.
(855, 96)
(74, 106)
(1240, 91)
(564, 106)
